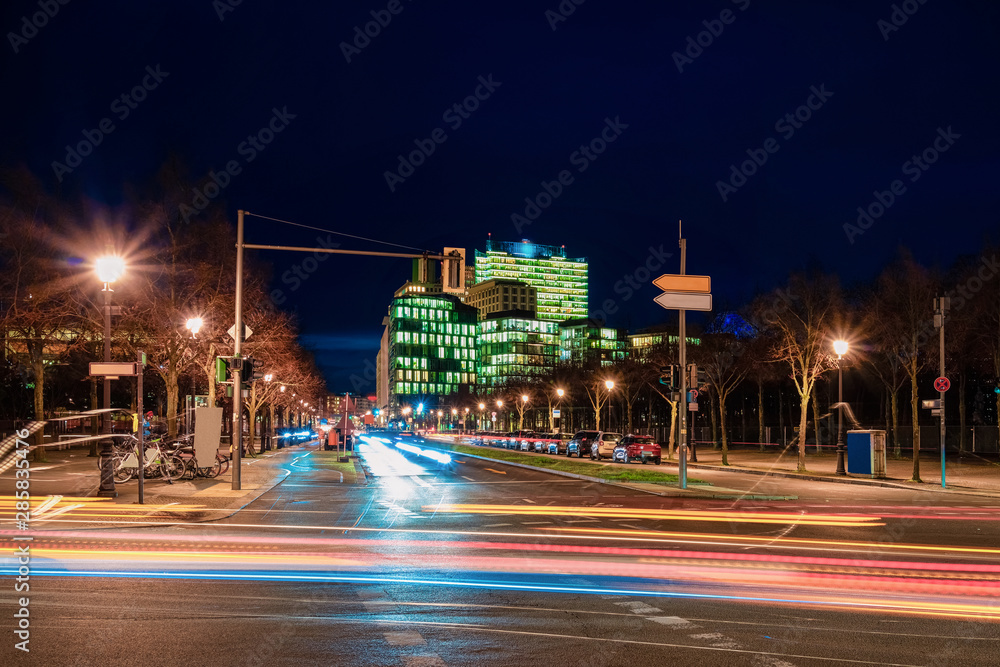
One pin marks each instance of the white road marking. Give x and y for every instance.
(639, 608)
(534, 523)
(529, 500)
(468, 478)
(673, 621)
(404, 639)
(497, 525)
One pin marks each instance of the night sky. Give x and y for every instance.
(883, 85)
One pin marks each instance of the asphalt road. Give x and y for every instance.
(470, 562)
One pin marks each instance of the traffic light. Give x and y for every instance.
(996, 385)
(222, 372)
(668, 376)
(252, 369)
(697, 377)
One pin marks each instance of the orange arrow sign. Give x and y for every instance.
(669, 282)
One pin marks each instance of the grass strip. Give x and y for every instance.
(612, 473)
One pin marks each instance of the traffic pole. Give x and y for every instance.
(237, 438)
(682, 361)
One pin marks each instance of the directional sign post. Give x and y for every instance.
(682, 292)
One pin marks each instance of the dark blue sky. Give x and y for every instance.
(882, 101)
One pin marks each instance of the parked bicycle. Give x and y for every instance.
(156, 463)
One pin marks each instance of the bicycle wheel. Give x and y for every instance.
(223, 463)
(122, 473)
(173, 468)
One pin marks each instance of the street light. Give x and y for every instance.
(193, 325)
(499, 406)
(840, 347)
(109, 268)
(560, 392)
(482, 407)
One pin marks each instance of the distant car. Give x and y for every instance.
(604, 446)
(581, 443)
(637, 448)
(404, 435)
(557, 443)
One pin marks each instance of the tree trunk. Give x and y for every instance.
(715, 424)
(803, 425)
(672, 440)
(914, 405)
(781, 418)
(172, 383)
(722, 425)
(95, 423)
(38, 365)
(815, 403)
(760, 414)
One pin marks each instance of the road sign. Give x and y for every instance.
(247, 332)
(931, 405)
(670, 282)
(693, 406)
(555, 412)
(942, 384)
(684, 301)
(112, 368)
(694, 394)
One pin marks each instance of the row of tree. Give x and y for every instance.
(52, 302)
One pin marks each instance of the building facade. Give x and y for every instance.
(514, 347)
(432, 349)
(495, 296)
(584, 341)
(560, 282)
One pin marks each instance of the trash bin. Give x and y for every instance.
(866, 453)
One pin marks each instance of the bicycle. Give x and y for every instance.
(155, 462)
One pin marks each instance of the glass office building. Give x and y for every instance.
(584, 341)
(432, 348)
(560, 282)
(514, 349)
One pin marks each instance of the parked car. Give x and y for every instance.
(557, 443)
(540, 443)
(604, 446)
(637, 448)
(581, 443)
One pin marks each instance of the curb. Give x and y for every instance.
(965, 491)
(674, 492)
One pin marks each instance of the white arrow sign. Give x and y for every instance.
(247, 332)
(684, 301)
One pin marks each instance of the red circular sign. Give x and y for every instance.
(694, 393)
(942, 384)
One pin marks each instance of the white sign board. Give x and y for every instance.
(207, 434)
(247, 332)
(684, 301)
(555, 412)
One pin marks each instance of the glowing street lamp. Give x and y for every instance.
(109, 268)
(840, 347)
(194, 325)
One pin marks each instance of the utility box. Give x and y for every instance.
(866, 453)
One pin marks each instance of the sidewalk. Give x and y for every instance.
(971, 475)
(64, 489)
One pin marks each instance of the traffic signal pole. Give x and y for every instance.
(682, 360)
(237, 438)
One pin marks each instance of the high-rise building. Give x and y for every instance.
(516, 348)
(642, 343)
(560, 282)
(583, 341)
(432, 348)
(495, 296)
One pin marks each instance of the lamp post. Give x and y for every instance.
(610, 384)
(109, 268)
(193, 325)
(560, 392)
(482, 407)
(840, 347)
(520, 411)
(499, 409)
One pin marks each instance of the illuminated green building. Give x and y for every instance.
(583, 341)
(431, 348)
(560, 282)
(514, 347)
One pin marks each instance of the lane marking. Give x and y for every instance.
(404, 639)
(639, 608)
(673, 621)
(499, 472)
(529, 500)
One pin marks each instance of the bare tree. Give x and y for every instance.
(801, 319)
(722, 356)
